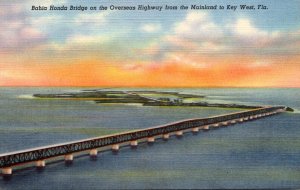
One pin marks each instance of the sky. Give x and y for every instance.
(167, 48)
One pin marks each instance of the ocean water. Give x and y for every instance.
(259, 154)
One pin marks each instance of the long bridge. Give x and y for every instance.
(39, 155)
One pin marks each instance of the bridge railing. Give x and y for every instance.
(42, 153)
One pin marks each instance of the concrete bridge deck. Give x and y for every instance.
(40, 154)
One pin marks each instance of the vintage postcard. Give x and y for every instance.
(149, 94)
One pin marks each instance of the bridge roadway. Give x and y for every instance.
(40, 154)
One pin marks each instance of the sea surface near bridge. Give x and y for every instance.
(260, 154)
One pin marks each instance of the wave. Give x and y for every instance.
(296, 111)
(26, 96)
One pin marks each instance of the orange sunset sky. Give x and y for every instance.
(183, 48)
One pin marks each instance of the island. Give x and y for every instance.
(146, 98)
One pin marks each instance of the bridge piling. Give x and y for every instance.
(224, 124)
(216, 125)
(134, 144)
(115, 148)
(179, 134)
(233, 122)
(166, 136)
(6, 173)
(40, 164)
(151, 140)
(195, 130)
(93, 154)
(69, 159)
(206, 127)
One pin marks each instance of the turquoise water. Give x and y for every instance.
(261, 154)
